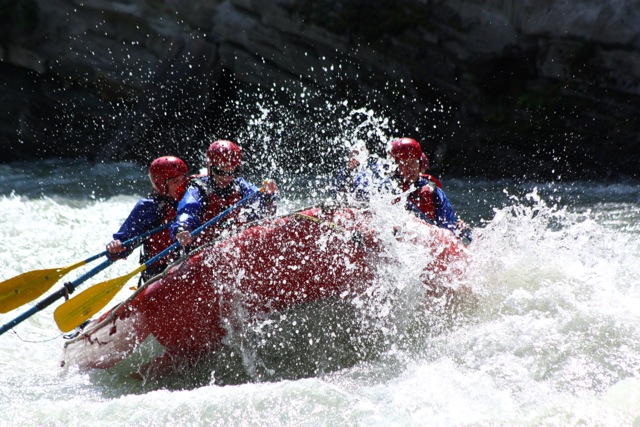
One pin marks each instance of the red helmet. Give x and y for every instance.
(424, 162)
(405, 149)
(224, 153)
(163, 169)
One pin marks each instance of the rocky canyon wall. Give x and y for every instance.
(495, 88)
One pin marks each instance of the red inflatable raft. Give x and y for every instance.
(272, 265)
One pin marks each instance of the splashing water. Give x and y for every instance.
(552, 339)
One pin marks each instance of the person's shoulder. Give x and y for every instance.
(146, 205)
(429, 177)
(197, 183)
(195, 180)
(150, 200)
(244, 184)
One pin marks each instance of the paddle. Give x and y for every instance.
(28, 286)
(73, 312)
(61, 293)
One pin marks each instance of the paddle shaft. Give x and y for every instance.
(74, 311)
(209, 223)
(63, 292)
(69, 287)
(131, 241)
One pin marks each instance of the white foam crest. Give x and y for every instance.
(557, 295)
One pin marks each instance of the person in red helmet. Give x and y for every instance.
(427, 195)
(209, 195)
(168, 176)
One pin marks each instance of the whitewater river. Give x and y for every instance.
(553, 340)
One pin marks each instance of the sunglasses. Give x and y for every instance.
(219, 172)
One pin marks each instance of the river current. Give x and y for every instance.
(553, 340)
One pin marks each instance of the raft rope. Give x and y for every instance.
(38, 341)
(324, 222)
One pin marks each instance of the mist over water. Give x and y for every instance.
(553, 337)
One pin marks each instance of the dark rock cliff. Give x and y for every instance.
(496, 88)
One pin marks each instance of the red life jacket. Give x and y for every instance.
(217, 200)
(167, 211)
(423, 198)
(162, 240)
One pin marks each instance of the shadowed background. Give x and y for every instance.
(536, 89)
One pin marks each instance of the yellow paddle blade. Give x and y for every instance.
(28, 286)
(73, 312)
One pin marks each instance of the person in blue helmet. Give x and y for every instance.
(209, 195)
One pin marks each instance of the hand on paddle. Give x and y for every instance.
(115, 247)
(184, 238)
(28, 286)
(81, 307)
(269, 187)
